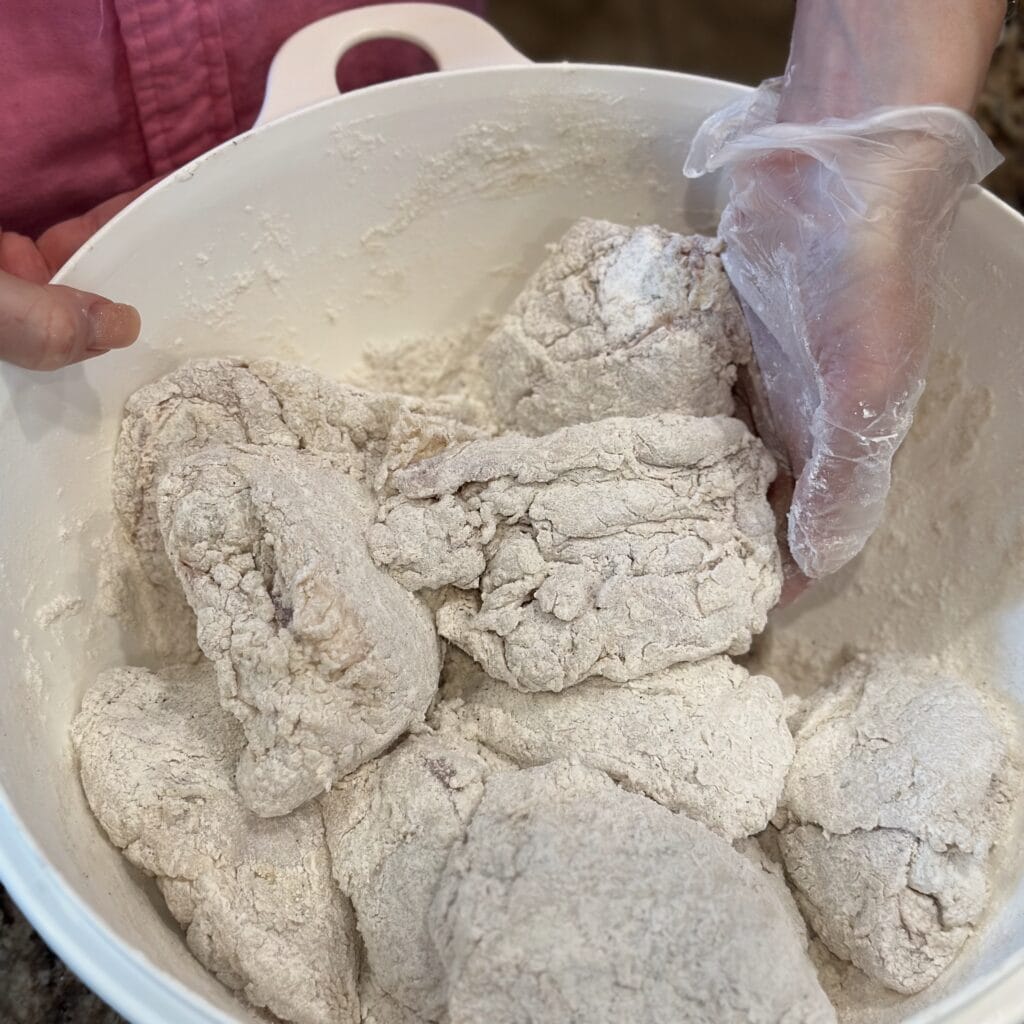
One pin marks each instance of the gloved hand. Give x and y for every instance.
(835, 231)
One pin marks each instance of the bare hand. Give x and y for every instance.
(45, 326)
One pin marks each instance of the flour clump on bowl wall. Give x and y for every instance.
(465, 707)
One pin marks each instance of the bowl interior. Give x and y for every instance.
(409, 210)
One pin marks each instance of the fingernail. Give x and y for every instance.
(114, 324)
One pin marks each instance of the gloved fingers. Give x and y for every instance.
(781, 397)
(841, 358)
(837, 417)
(837, 504)
(714, 139)
(44, 327)
(871, 358)
(870, 340)
(834, 231)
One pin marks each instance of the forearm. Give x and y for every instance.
(850, 56)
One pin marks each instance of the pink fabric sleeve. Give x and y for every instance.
(100, 96)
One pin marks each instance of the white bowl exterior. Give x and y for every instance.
(407, 210)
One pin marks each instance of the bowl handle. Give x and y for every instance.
(303, 70)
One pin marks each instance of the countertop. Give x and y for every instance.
(35, 987)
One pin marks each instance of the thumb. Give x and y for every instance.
(44, 327)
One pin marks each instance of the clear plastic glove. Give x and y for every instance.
(835, 232)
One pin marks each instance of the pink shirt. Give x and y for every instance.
(100, 96)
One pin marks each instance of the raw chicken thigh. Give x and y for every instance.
(618, 321)
(902, 782)
(612, 549)
(321, 656)
(157, 757)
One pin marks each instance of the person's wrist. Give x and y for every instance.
(848, 57)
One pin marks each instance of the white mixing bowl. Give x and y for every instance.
(409, 209)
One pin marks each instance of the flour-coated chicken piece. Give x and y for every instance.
(612, 549)
(618, 321)
(391, 827)
(707, 739)
(260, 910)
(572, 900)
(902, 784)
(211, 401)
(321, 656)
(259, 402)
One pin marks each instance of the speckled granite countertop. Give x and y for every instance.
(1001, 113)
(35, 988)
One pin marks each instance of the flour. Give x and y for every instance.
(33, 671)
(158, 625)
(500, 158)
(61, 608)
(446, 367)
(352, 141)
